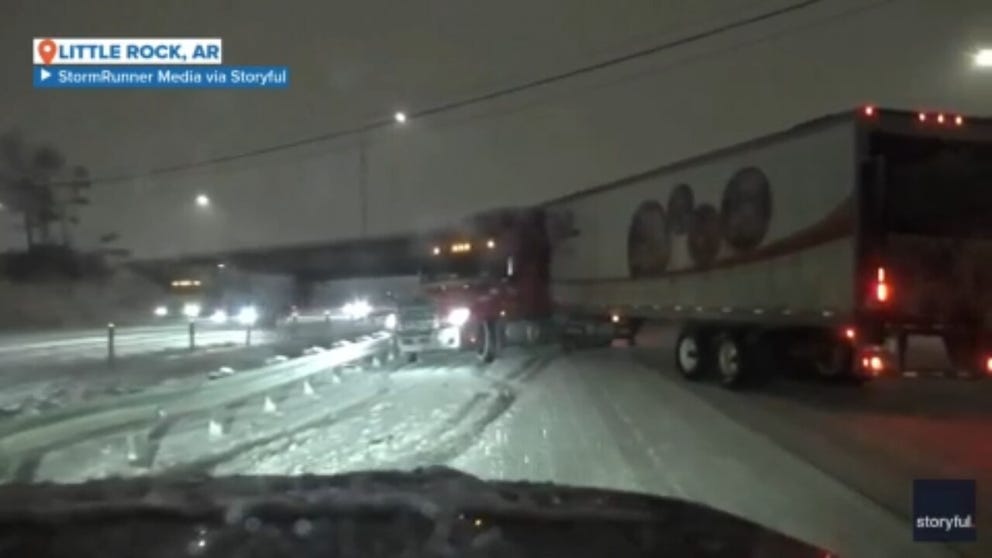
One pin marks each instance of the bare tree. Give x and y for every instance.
(27, 186)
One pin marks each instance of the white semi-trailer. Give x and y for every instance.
(817, 245)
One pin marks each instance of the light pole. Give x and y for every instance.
(363, 173)
(363, 186)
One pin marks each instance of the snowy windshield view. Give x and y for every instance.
(518, 278)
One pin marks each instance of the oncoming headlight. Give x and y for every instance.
(191, 310)
(248, 315)
(390, 322)
(458, 316)
(219, 317)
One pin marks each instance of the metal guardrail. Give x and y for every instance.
(25, 441)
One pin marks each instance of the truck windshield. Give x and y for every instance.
(937, 187)
(472, 265)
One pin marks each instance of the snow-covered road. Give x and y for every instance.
(830, 465)
(597, 419)
(75, 346)
(53, 369)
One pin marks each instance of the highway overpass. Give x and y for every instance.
(380, 257)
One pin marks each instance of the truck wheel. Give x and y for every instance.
(691, 359)
(836, 362)
(731, 360)
(487, 343)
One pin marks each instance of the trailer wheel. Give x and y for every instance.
(731, 360)
(836, 362)
(691, 358)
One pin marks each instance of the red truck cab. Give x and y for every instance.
(480, 280)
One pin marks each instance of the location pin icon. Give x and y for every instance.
(46, 49)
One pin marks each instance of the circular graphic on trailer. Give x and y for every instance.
(704, 234)
(746, 209)
(680, 204)
(648, 243)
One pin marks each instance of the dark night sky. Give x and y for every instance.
(354, 61)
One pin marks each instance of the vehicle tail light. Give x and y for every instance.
(872, 364)
(869, 110)
(850, 333)
(959, 120)
(922, 117)
(988, 365)
(875, 363)
(873, 360)
(882, 289)
(940, 118)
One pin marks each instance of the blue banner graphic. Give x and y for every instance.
(161, 77)
(944, 510)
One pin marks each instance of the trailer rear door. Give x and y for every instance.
(933, 262)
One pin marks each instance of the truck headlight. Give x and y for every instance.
(458, 316)
(219, 317)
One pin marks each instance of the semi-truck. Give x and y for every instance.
(825, 246)
(484, 284)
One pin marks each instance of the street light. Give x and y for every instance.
(400, 117)
(983, 58)
(203, 200)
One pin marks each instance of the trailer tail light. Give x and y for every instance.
(872, 364)
(941, 118)
(882, 289)
(875, 363)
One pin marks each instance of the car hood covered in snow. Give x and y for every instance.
(432, 512)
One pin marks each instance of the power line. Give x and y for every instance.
(468, 101)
